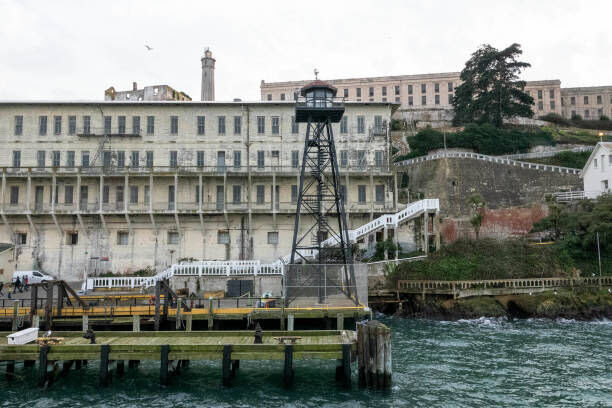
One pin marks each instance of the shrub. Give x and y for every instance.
(556, 118)
(604, 117)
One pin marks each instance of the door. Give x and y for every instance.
(38, 198)
(83, 198)
(220, 162)
(220, 198)
(119, 199)
(171, 197)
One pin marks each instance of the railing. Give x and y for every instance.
(492, 159)
(566, 196)
(536, 155)
(377, 268)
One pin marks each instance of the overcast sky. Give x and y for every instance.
(76, 49)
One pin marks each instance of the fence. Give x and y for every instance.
(537, 155)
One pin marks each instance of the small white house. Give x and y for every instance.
(597, 172)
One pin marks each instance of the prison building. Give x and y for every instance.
(95, 187)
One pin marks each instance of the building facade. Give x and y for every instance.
(597, 172)
(428, 97)
(98, 187)
(148, 93)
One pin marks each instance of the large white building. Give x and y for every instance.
(93, 187)
(597, 172)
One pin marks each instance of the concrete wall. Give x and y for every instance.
(454, 181)
(7, 265)
(261, 284)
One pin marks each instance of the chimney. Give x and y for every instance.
(134, 86)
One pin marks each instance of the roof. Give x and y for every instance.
(318, 84)
(600, 145)
(145, 103)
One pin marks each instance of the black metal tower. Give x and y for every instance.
(319, 196)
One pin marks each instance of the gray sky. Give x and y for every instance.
(77, 49)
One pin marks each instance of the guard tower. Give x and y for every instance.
(324, 237)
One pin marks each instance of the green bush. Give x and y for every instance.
(556, 118)
(575, 160)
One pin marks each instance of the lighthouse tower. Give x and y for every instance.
(208, 76)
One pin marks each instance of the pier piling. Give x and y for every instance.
(227, 358)
(374, 355)
(288, 372)
(163, 374)
(104, 374)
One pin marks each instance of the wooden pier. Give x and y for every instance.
(174, 350)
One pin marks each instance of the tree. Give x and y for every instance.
(477, 207)
(491, 89)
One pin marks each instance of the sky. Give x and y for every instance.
(67, 50)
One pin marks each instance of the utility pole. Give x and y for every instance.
(598, 254)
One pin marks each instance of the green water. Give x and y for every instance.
(483, 362)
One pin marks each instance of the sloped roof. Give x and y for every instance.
(600, 145)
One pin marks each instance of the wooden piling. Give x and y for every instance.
(157, 304)
(85, 323)
(339, 321)
(136, 323)
(288, 371)
(178, 313)
(10, 369)
(374, 355)
(133, 363)
(163, 374)
(188, 322)
(120, 368)
(78, 364)
(104, 374)
(66, 366)
(282, 315)
(227, 358)
(346, 365)
(15, 315)
(35, 321)
(42, 365)
(235, 367)
(210, 314)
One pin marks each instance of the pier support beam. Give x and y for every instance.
(163, 373)
(339, 321)
(157, 303)
(42, 366)
(374, 354)
(10, 369)
(288, 371)
(290, 322)
(227, 359)
(343, 370)
(136, 323)
(104, 374)
(120, 368)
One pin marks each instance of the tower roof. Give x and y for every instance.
(318, 84)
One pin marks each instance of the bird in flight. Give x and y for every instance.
(148, 48)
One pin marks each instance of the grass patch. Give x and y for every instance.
(575, 160)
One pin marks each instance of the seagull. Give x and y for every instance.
(48, 333)
(148, 48)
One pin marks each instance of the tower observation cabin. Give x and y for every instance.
(318, 103)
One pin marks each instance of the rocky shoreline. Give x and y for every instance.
(577, 305)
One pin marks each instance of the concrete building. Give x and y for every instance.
(7, 262)
(148, 93)
(91, 187)
(208, 76)
(588, 102)
(597, 172)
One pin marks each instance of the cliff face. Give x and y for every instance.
(454, 181)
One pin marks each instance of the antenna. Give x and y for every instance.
(316, 72)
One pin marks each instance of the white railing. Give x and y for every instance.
(565, 196)
(536, 155)
(492, 159)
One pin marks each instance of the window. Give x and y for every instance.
(135, 159)
(237, 159)
(275, 125)
(16, 158)
(539, 94)
(150, 125)
(343, 158)
(197, 194)
(42, 125)
(409, 89)
(261, 124)
(57, 125)
(450, 99)
(540, 105)
(573, 113)
(573, 100)
(346, 94)
(260, 159)
(173, 158)
(587, 113)
(294, 193)
(40, 158)
(261, 194)
(397, 89)
(295, 158)
(121, 125)
(200, 158)
(221, 124)
(273, 237)
(378, 158)
(133, 194)
(371, 91)
(599, 99)
(68, 194)
(552, 105)
(450, 87)
(21, 238)
(361, 158)
(586, 100)
(70, 159)
(360, 124)
(384, 91)
(149, 158)
(423, 88)
(55, 158)
(173, 238)
(436, 87)
(18, 125)
(295, 127)
(551, 92)
(269, 97)
(380, 193)
(107, 124)
(437, 99)
(600, 112)
(135, 125)
(275, 155)
(344, 124)
(14, 198)
(120, 159)
(105, 194)
(86, 125)
(122, 237)
(147, 195)
(174, 125)
(595, 163)
(237, 125)
(201, 125)
(358, 92)
(410, 101)
(397, 99)
(223, 237)
(171, 197)
(236, 194)
(72, 238)
(282, 97)
(85, 159)
(384, 99)
(361, 194)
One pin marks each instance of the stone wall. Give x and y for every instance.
(454, 181)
